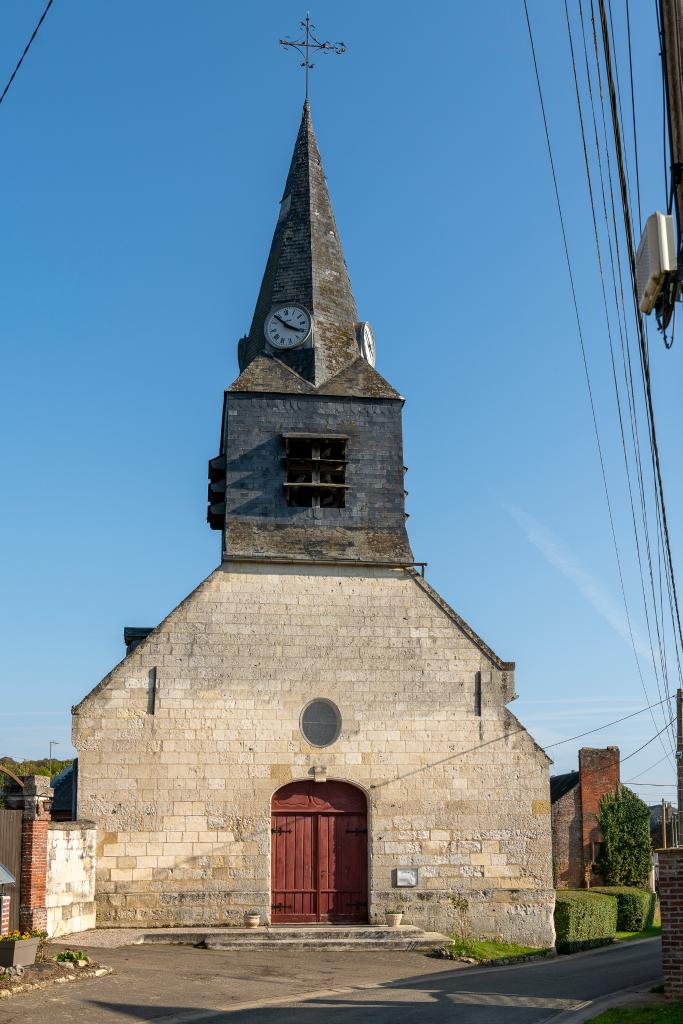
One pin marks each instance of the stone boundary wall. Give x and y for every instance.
(671, 900)
(70, 889)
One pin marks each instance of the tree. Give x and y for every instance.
(625, 855)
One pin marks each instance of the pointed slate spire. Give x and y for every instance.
(306, 265)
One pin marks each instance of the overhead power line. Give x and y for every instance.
(639, 319)
(26, 49)
(651, 740)
(655, 785)
(646, 770)
(607, 725)
(581, 337)
(623, 333)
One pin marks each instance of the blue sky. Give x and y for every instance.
(145, 146)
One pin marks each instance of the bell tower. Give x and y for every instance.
(311, 460)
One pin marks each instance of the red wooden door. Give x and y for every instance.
(294, 860)
(319, 854)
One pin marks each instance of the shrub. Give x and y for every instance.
(71, 956)
(635, 908)
(626, 852)
(584, 919)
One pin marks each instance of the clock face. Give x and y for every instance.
(287, 326)
(367, 343)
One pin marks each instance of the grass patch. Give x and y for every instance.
(648, 933)
(487, 949)
(672, 1013)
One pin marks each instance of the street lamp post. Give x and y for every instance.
(53, 743)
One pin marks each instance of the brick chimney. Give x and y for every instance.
(598, 775)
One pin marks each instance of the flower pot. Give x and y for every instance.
(18, 953)
(252, 920)
(393, 920)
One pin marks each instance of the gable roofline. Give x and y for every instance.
(490, 655)
(523, 729)
(76, 708)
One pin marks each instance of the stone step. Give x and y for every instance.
(425, 941)
(301, 937)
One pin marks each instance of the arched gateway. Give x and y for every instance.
(319, 854)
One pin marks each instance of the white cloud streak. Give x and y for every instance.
(591, 589)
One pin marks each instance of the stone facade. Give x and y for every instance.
(70, 887)
(182, 746)
(455, 785)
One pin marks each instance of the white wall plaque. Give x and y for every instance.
(406, 878)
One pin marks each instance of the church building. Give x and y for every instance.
(313, 732)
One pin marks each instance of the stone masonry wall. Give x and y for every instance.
(181, 796)
(568, 840)
(70, 877)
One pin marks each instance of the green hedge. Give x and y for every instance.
(584, 919)
(635, 908)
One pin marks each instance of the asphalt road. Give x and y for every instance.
(181, 985)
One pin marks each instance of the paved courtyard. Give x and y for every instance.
(183, 985)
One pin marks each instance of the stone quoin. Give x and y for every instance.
(314, 687)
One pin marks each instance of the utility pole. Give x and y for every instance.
(671, 41)
(663, 823)
(671, 16)
(679, 758)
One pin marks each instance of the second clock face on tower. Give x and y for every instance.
(287, 326)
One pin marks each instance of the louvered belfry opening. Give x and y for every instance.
(316, 471)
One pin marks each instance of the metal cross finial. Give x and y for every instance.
(308, 43)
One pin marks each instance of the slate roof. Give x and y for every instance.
(306, 265)
(6, 876)
(62, 790)
(561, 784)
(270, 375)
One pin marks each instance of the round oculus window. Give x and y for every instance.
(321, 722)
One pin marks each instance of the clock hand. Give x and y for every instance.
(292, 327)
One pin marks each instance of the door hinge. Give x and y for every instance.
(281, 906)
(280, 831)
(356, 831)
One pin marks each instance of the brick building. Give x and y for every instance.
(575, 799)
(313, 727)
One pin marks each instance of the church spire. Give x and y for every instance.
(306, 267)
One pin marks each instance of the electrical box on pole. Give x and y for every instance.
(655, 259)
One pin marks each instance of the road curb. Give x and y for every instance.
(592, 1008)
